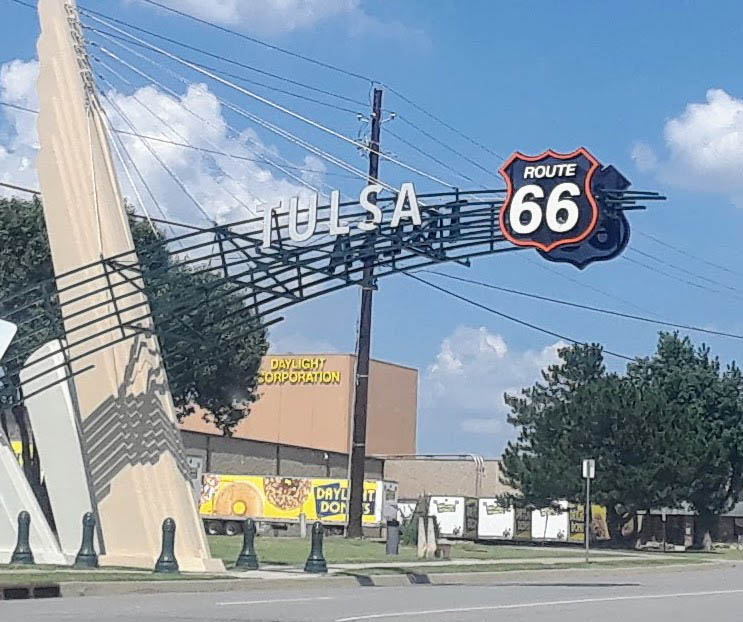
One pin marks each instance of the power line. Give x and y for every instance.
(243, 78)
(213, 55)
(598, 290)
(185, 82)
(315, 62)
(17, 107)
(576, 305)
(281, 108)
(440, 142)
(684, 270)
(203, 149)
(19, 188)
(263, 43)
(433, 158)
(688, 254)
(506, 316)
(671, 276)
(154, 154)
(459, 133)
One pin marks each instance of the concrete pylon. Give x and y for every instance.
(137, 464)
(57, 440)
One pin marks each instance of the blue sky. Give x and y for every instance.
(651, 87)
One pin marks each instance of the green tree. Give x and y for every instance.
(543, 464)
(212, 345)
(704, 405)
(578, 412)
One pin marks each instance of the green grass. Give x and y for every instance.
(339, 550)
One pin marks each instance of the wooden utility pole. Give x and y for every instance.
(363, 347)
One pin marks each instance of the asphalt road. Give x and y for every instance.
(669, 595)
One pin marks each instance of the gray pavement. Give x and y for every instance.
(608, 595)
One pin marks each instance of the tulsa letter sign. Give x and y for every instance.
(565, 205)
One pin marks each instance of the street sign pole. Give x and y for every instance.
(589, 472)
(587, 515)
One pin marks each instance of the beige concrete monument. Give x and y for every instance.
(137, 466)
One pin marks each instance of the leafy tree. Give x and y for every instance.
(704, 405)
(667, 434)
(212, 346)
(543, 464)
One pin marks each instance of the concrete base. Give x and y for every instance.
(15, 496)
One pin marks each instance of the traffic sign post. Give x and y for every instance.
(589, 472)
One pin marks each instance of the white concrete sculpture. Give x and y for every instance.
(137, 464)
(57, 439)
(16, 496)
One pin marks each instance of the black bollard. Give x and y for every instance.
(316, 562)
(167, 561)
(248, 560)
(86, 556)
(22, 553)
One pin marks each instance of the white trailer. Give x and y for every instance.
(456, 516)
(495, 521)
(552, 523)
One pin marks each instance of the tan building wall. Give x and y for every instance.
(306, 400)
(417, 477)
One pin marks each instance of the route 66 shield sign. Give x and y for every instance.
(549, 201)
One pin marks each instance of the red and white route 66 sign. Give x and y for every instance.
(549, 201)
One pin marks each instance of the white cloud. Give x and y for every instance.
(220, 184)
(275, 17)
(704, 147)
(462, 391)
(18, 138)
(269, 16)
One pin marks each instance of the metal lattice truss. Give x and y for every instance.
(104, 299)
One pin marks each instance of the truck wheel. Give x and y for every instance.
(214, 527)
(232, 528)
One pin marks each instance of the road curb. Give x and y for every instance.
(71, 589)
(114, 588)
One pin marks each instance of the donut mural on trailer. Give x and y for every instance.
(549, 201)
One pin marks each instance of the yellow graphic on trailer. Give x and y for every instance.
(17, 448)
(578, 526)
(283, 497)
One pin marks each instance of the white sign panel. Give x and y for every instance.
(589, 469)
(494, 520)
(551, 523)
(7, 332)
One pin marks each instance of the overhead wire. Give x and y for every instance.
(397, 92)
(332, 67)
(222, 187)
(585, 285)
(210, 151)
(284, 133)
(277, 48)
(243, 78)
(516, 320)
(300, 117)
(176, 179)
(431, 157)
(584, 307)
(447, 146)
(90, 13)
(671, 276)
(684, 253)
(690, 273)
(185, 82)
